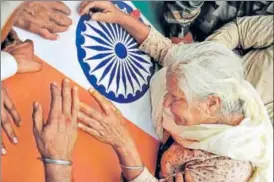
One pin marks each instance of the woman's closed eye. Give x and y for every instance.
(177, 98)
(171, 99)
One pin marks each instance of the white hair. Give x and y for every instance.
(210, 68)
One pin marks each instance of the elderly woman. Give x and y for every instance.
(213, 125)
(220, 129)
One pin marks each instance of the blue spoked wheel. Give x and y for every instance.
(111, 60)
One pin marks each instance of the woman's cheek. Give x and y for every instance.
(178, 113)
(175, 109)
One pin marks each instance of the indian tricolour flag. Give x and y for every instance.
(105, 57)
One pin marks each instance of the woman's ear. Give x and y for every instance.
(213, 104)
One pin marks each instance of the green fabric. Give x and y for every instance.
(151, 10)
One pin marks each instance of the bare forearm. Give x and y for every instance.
(129, 156)
(134, 27)
(57, 173)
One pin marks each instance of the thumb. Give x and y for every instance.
(37, 116)
(100, 17)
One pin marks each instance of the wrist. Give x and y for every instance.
(130, 161)
(125, 141)
(56, 167)
(55, 156)
(52, 169)
(124, 146)
(122, 18)
(56, 161)
(128, 154)
(56, 173)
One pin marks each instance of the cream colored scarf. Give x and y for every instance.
(251, 140)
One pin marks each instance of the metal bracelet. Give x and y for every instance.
(56, 161)
(132, 167)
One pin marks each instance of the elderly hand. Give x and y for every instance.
(9, 114)
(45, 18)
(56, 137)
(107, 126)
(23, 52)
(172, 161)
(107, 11)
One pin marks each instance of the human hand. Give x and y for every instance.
(107, 11)
(8, 109)
(172, 161)
(179, 177)
(23, 52)
(107, 126)
(56, 137)
(45, 18)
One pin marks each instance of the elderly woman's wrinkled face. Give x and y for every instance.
(183, 113)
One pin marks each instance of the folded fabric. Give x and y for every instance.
(251, 140)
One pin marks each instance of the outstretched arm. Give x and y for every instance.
(151, 41)
(108, 126)
(55, 138)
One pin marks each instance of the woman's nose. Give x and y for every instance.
(167, 101)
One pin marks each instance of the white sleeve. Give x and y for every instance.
(145, 176)
(8, 65)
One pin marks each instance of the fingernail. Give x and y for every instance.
(57, 37)
(14, 139)
(4, 152)
(79, 125)
(36, 104)
(54, 84)
(75, 88)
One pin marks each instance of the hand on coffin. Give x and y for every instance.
(107, 126)
(44, 18)
(101, 11)
(56, 137)
(9, 115)
(106, 11)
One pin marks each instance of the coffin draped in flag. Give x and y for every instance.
(103, 56)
